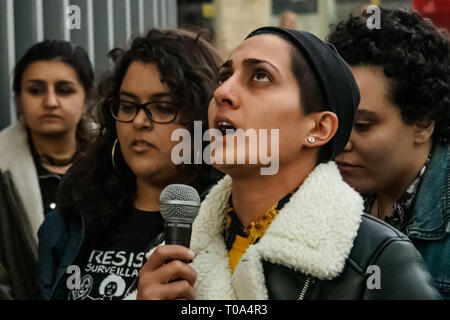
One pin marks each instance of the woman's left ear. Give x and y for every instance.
(423, 131)
(325, 126)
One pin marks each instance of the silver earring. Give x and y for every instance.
(311, 139)
(113, 157)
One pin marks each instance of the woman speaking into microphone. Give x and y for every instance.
(95, 245)
(300, 233)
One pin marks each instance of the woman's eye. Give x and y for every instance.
(362, 126)
(222, 77)
(127, 108)
(36, 91)
(164, 108)
(261, 76)
(65, 91)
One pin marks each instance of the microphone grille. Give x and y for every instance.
(179, 202)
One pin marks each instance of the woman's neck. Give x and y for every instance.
(59, 147)
(253, 194)
(147, 196)
(387, 197)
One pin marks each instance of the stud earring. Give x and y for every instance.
(311, 139)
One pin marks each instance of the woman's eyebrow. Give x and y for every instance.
(227, 64)
(44, 82)
(128, 94)
(363, 113)
(65, 82)
(253, 61)
(248, 63)
(155, 96)
(37, 81)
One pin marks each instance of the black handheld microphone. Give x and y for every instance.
(179, 205)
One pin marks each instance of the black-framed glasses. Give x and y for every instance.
(156, 111)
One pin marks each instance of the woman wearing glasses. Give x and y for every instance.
(109, 209)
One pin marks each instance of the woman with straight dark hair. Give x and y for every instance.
(109, 201)
(52, 85)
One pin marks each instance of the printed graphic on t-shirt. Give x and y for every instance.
(108, 275)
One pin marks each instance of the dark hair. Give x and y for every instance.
(311, 95)
(188, 65)
(414, 55)
(63, 51)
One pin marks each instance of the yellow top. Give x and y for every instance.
(239, 247)
(254, 232)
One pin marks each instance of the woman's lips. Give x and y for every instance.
(224, 124)
(140, 145)
(50, 116)
(346, 166)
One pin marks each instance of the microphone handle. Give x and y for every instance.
(178, 232)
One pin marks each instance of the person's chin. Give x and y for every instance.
(356, 183)
(237, 170)
(147, 170)
(51, 129)
(145, 174)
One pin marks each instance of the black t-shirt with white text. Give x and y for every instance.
(108, 274)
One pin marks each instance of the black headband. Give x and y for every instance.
(339, 88)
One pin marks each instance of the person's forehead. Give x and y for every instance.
(52, 70)
(266, 47)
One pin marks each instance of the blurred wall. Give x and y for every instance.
(236, 18)
(314, 21)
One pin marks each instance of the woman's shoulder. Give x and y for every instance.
(12, 133)
(373, 235)
(59, 237)
(385, 252)
(14, 144)
(57, 228)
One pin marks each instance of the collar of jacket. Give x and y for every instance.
(313, 233)
(17, 159)
(430, 215)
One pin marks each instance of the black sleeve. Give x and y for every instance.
(5, 286)
(18, 252)
(403, 274)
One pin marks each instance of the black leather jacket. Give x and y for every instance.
(375, 245)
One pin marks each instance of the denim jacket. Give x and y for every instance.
(429, 226)
(60, 241)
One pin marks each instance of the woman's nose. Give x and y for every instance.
(349, 145)
(51, 99)
(142, 121)
(226, 94)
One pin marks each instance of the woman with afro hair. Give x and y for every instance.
(398, 155)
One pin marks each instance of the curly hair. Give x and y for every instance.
(188, 65)
(414, 55)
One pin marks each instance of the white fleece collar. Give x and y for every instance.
(313, 233)
(17, 159)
